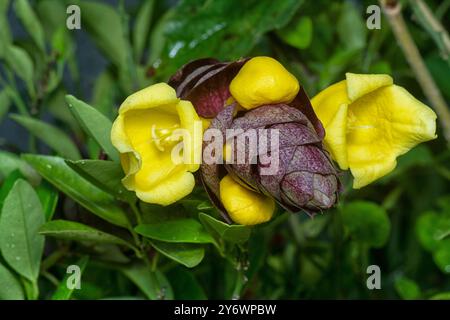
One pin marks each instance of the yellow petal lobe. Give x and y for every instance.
(243, 205)
(263, 80)
(361, 84)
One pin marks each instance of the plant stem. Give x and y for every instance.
(136, 212)
(433, 26)
(392, 9)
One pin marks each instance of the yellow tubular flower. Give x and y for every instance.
(369, 122)
(243, 205)
(151, 123)
(263, 80)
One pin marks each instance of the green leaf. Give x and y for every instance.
(226, 30)
(8, 184)
(178, 231)
(107, 175)
(298, 34)
(9, 162)
(185, 285)
(441, 296)
(366, 222)
(430, 227)
(63, 292)
(20, 243)
(95, 124)
(232, 233)
(188, 255)
(49, 199)
(31, 22)
(440, 70)
(20, 62)
(52, 136)
(407, 289)
(5, 33)
(5, 103)
(105, 26)
(71, 230)
(152, 283)
(59, 174)
(141, 28)
(10, 288)
(104, 93)
(52, 15)
(350, 27)
(442, 256)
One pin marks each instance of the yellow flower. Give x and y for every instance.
(151, 124)
(243, 205)
(263, 80)
(369, 122)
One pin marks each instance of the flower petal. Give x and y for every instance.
(170, 190)
(331, 106)
(243, 205)
(327, 102)
(155, 165)
(361, 84)
(193, 140)
(382, 125)
(263, 80)
(157, 95)
(336, 137)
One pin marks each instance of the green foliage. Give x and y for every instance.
(20, 244)
(367, 223)
(61, 176)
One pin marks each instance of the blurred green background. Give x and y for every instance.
(401, 223)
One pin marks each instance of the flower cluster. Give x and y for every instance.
(362, 123)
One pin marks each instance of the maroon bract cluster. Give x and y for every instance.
(304, 179)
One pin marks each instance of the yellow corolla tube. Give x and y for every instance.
(369, 122)
(261, 81)
(159, 138)
(245, 206)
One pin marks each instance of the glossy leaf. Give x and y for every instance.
(215, 28)
(232, 233)
(188, 255)
(52, 136)
(106, 175)
(49, 199)
(178, 231)
(8, 184)
(20, 243)
(64, 292)
(10, 162)
(94, 123)
(71, 230)
(10, 288)
(59, 174)
(153, 284)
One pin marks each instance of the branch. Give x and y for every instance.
(433, 26)
(392, 9)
